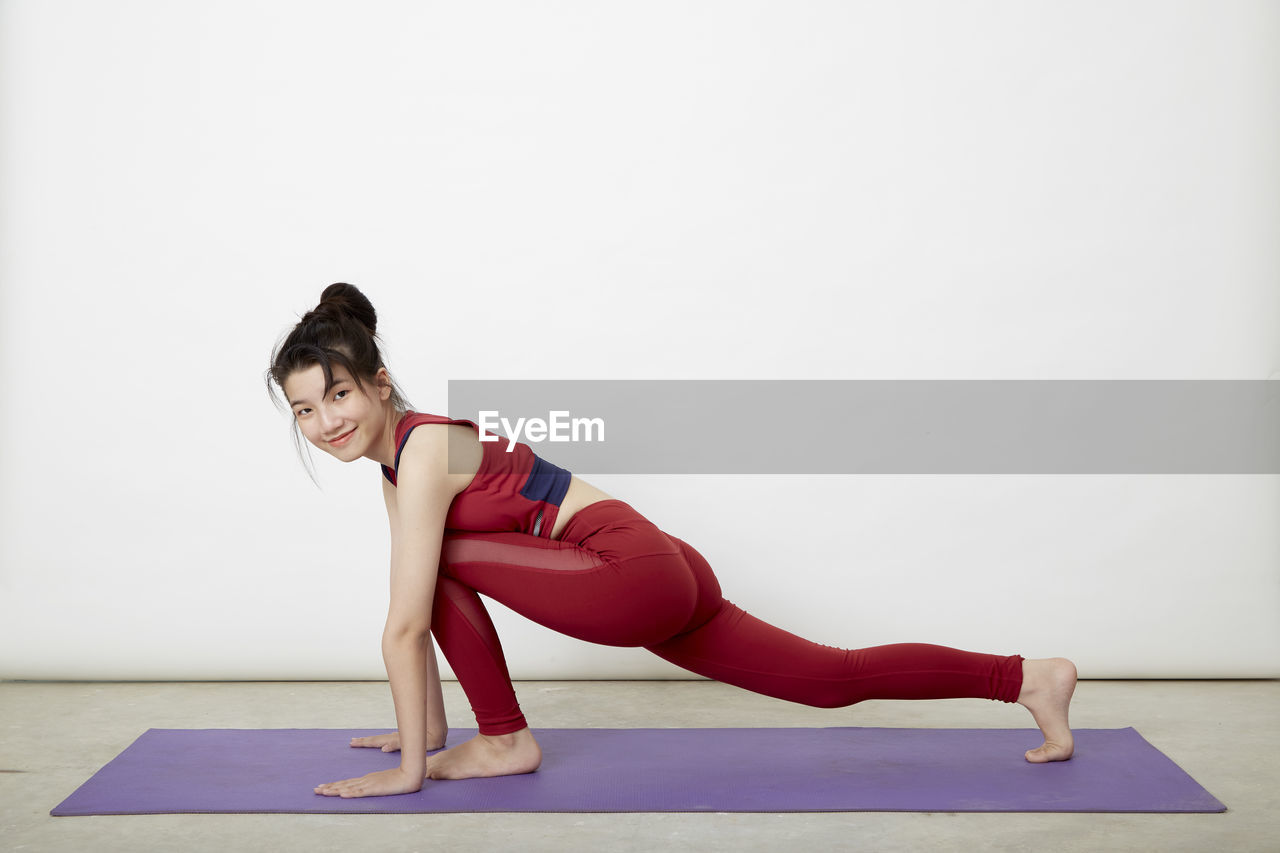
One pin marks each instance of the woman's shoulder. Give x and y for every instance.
(441, 447)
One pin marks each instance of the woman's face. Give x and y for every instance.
(344, 423)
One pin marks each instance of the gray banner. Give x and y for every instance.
(790, 426)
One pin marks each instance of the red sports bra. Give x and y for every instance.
(518, 491)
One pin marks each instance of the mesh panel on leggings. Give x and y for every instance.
(461, 549)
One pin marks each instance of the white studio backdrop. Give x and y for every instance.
(584, 190)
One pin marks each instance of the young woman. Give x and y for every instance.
(470, 517)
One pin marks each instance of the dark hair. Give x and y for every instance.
(342, 330)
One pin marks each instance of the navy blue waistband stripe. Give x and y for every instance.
(546, 482)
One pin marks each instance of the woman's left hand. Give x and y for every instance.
(377, 784)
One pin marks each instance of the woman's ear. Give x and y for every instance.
(383, 378)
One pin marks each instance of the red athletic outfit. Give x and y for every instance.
(614, 578)
(513, 490)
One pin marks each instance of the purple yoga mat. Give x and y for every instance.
(655, 770)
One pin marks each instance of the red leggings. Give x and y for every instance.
(614, 578)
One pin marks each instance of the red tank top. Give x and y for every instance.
(518, 491)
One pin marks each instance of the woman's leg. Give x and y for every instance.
(728, 644)
(588, 594)
(628, 588)
(466, 636)
(725, 643)
(615, 579)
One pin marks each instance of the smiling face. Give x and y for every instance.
(343, 421)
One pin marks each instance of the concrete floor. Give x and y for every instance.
(56, 735)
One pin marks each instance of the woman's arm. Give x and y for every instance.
(423, 495)
(423, 502)
(437, 724)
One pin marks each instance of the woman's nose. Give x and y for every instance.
(329, 421)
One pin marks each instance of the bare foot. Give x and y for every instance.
(487, 755)
(1047, 685)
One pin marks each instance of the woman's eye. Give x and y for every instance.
(301, 412)
(338, 396)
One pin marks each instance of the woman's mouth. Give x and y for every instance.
(343, 439)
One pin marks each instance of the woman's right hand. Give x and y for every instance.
(391, 742)
(388, 743)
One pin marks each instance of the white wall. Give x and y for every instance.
(945, 190)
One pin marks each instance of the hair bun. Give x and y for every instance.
(344, 298)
